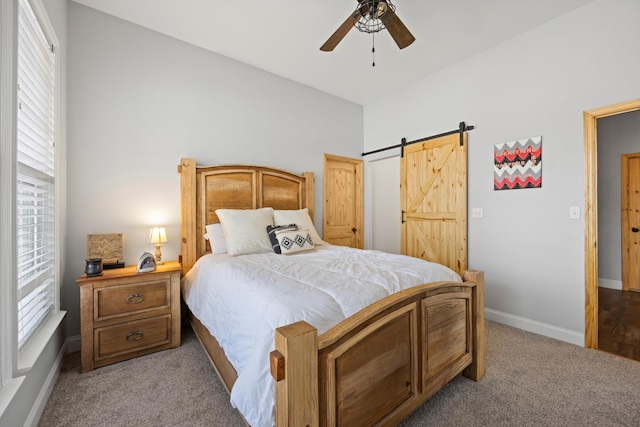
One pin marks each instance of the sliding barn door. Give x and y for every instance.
(433, 191)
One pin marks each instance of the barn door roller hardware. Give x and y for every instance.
(462, 127)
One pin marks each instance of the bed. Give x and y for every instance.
(378, 361)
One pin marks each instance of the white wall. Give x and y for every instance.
(384, 216)
(139, 101)
(538, 83)
(617, 135)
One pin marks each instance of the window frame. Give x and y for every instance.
(15, 363)
(36, 174)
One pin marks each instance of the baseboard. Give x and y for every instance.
(610, 284)
(41, 401)
(534, 326)
(73, 344)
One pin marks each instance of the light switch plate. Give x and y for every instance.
(574, 212)
(477, 213)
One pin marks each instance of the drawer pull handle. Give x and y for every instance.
(135, 336)
(134, 299)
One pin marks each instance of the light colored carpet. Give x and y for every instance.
(176, 387)
(531, 381)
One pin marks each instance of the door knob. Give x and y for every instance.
(635, 229)
(355, 229)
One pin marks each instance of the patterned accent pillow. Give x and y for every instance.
(294, 241)
(273, 229)
(300, 217)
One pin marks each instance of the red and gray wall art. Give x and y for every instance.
(518, 164)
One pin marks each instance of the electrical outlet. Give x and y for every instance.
(574, 212)
(477, 213)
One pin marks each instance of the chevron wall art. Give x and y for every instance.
(518, 164)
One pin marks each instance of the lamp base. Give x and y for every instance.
(158, 255)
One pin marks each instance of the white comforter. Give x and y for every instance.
(242, 300)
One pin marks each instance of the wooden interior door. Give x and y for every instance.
(630, 179)
(433, 192)
(343, 201)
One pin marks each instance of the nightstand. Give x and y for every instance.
(124, 314)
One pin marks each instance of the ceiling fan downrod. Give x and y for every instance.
(373, 49)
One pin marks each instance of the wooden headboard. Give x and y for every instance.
(203, 189)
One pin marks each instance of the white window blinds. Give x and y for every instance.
(35, 193)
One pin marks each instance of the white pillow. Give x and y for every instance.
(245, 230)
(292, 241)
(215, 234)
(300, 218)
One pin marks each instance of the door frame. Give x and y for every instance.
(591, 213)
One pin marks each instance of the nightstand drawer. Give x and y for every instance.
(126, 299)
(117, 340)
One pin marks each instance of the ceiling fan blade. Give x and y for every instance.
(338, 35)
(343, 29)
(401, 34)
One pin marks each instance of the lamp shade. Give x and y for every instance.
(157, 235)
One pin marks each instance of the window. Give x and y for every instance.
(35, 176)
(30, 192)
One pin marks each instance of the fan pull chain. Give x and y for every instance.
(373, 49)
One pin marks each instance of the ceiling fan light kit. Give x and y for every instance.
(372, 16)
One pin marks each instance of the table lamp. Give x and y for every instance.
(158, 236)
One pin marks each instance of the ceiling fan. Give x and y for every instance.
(372, 16)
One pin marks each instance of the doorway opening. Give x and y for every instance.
(591, 214)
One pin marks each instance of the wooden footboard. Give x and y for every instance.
(379, 365)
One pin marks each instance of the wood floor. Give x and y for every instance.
(619, 322)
